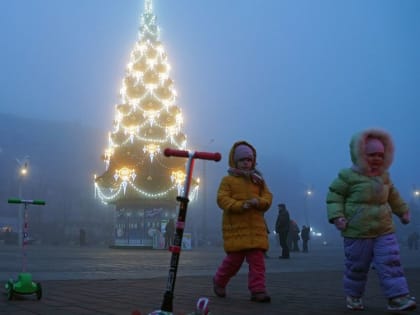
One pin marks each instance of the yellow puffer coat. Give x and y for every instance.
(243, 228)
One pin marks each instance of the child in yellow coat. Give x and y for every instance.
(243, 197)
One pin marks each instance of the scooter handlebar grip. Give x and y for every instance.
(197, 155)
(14, 200)
(216, 156)
(173, 152)
(32, 202)
(39, 202)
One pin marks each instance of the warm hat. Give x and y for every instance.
(374, 145)
(358, 149)
(243, 151)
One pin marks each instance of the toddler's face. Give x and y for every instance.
(375, 161)
(244, 164)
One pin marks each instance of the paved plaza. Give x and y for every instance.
(94, 280)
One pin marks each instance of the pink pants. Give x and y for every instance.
(233, 262)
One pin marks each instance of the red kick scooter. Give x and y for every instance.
(167, 304)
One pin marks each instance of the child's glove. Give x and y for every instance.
(340, 223)
(251, 203)
(406, 217)
(254, 202)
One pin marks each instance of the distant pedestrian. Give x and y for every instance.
(305, 236)
(282, 230)
(82, 237)
(413, 240)
(244, 197)
(293, 237)
(360, 202)
(169, 233)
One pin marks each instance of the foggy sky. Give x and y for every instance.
(295, 78)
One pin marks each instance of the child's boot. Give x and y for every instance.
(354, 303)
(261, 297)
(402, 303)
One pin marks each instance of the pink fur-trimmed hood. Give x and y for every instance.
(358, 144)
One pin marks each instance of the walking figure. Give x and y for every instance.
(169, 233)
(293, 237)
(282, 230)
(305, 236)
(360, 202)
(244, 197)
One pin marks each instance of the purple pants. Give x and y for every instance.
(233, 262)
(384, 253)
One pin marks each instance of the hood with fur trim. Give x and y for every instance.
(232, 153)
(358, 144)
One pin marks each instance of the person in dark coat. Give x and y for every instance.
(413, 240)
(282, 229)
(293, 237)
(169, 233)
(305, 236)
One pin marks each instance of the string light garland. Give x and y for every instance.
(147, 119)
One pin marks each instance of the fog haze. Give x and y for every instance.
(294, 78)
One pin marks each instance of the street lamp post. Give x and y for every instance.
(415, 212)
(204, 218)
(308, 194)
(23, 172)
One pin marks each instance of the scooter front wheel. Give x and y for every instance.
(10, 291)
(39, 291)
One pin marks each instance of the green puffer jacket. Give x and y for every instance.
(243, 228)
(366, 202)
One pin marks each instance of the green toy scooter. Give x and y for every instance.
(24, 285)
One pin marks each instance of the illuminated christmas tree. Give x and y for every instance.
(139, 180)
